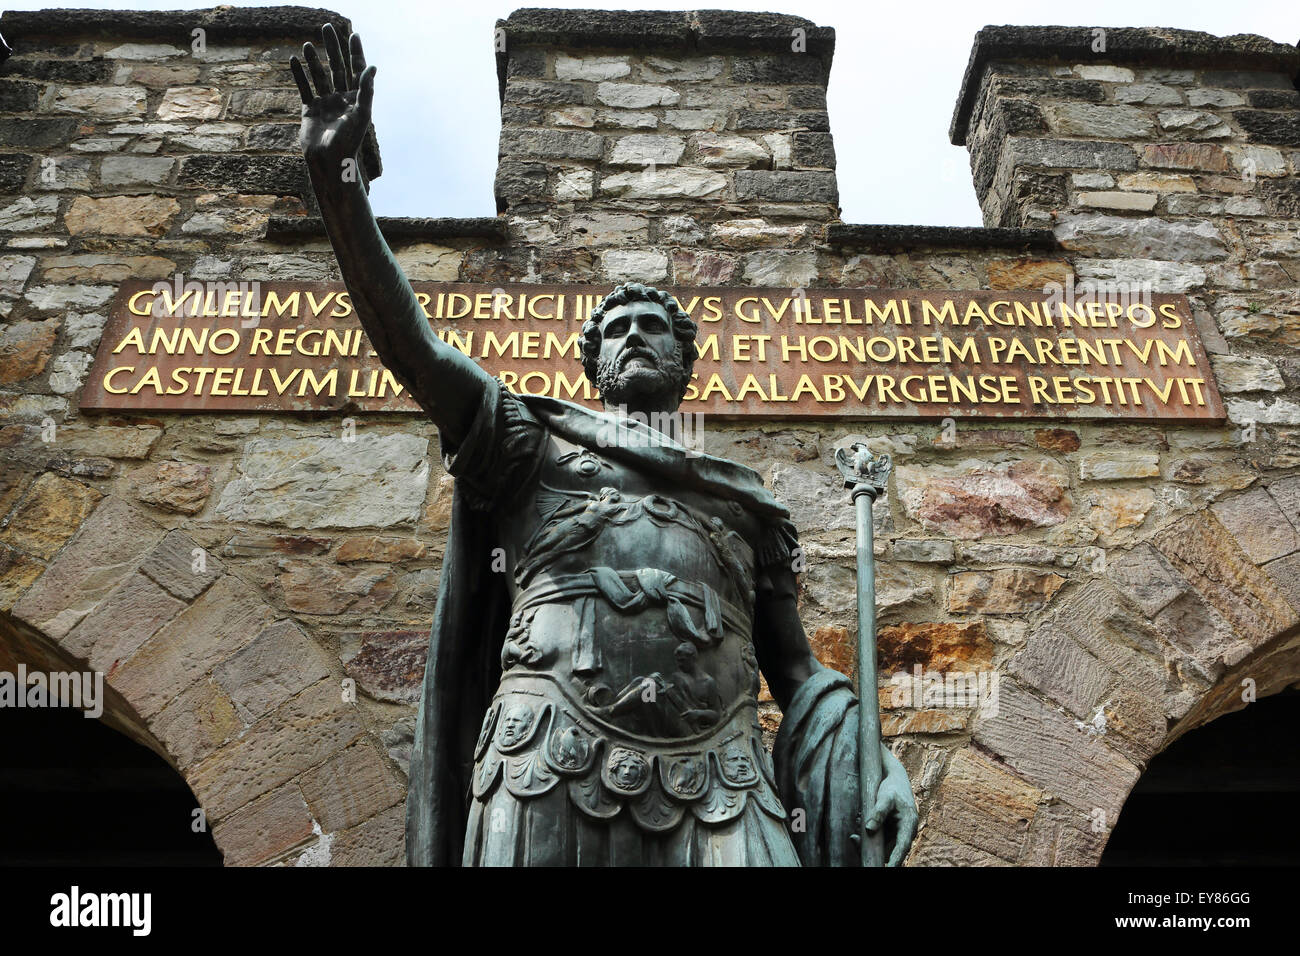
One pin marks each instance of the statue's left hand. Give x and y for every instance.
(895, 809)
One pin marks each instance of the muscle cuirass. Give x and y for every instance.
(629, 674)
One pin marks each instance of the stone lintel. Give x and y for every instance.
(222, 23)
(395, 228)
(1125, 46)
(912, 237)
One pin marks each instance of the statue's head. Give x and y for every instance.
(686, 655)
(638, 348)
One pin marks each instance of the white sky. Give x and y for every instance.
(896, 75)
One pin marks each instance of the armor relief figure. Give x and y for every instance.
(596, 702)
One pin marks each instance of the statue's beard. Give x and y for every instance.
(662, 379)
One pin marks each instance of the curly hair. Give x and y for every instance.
(684, 327)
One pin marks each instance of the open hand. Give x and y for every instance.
(334, 118)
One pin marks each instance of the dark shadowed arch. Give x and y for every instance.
(1221, 795)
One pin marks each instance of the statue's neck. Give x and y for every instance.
(659, 415)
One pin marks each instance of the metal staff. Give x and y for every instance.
(865, 475)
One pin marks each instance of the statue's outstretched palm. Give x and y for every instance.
(334, 117)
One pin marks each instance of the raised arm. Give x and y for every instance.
(445, 382)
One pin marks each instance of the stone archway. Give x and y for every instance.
(79, 791)
(1219, 795)
(247, 707)
(1167, 639)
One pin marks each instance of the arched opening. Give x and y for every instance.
(82, 791)
(73, 791)
(1223, 794)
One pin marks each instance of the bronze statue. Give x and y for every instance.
(590, 695)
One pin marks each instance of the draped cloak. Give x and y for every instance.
(815, 755)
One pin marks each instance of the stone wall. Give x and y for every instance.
(1120, 580)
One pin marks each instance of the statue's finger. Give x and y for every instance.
(903, 842)
(358, 55)
(300, 77)
(884, 803)
(319, 77)
(338, 65)
(366, 89)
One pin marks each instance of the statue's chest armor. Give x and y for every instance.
(590, 510)
(635, 596)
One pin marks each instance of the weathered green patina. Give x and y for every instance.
(608, 599)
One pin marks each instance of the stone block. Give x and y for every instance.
(25, 348)
(1004, 591)
(1146, 578)
(135, 170)
(301, 734)
(1099, 122)
(1118, 466)
(380, 841)
(103, 102)
(1047, 749)
(1099, 235)
(196, 723)
(350, 788)
(1123, 201)
(781, 268)
(387, 665)
(111, 542)
(933, 847)
(1061, 835)
(376, 481)
(116, 629)
(18, 572)
(121, 215)
(646, 149)
(1262, 530)
(266, 829)
(787, 186)
(225, 618)
(190, 103)
(973, 498)
(1053, 664)
(1204, 553)
(550, 144)
(180, 487)
(934, 646)
(982, 805)
(279, 663)
(49, 515)
(930, 551)
(592, 68)
(1200, 157)
(636, 96)
(670, 182)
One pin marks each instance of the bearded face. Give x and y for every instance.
(639, 366)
